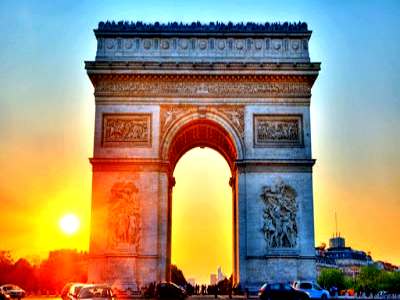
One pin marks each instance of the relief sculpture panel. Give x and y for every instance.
(124, 223)
(278, 130)
(202, 87)
(125, 130)
(279, 215)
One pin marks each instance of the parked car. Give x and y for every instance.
(65, 290)
(169, 290)
(96, 291)
(73, 291)
(12, 290)
(312, 289)
(272, 291)
(4, 296)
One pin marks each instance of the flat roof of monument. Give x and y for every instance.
(249, 29)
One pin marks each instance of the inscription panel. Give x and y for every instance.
(278, 131)
(126, 130)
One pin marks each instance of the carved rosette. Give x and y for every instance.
(232, 114)
(278, 131)
(126, 130)
(279, 215)
(124, 221)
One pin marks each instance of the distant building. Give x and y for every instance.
(339, 256)
(383, 265)
(221, 276)
(213, 279)
(322, 260)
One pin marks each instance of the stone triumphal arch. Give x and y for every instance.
(241, 89)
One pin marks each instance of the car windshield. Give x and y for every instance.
(287, 287)
(317, 287)
(76, 289)
(95, 292)
(305, 285)
(275, 286)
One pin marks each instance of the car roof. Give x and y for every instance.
(95, 285)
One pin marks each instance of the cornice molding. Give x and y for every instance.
(276, 165)
(126, 67)
(129, 164)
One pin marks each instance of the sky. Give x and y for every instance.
(47, 121)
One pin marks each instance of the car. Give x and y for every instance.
(12, 290)
(272, 291)
(4, 296)
(96, 291)
(73, 291)
(312, 289)
(65, 290)
(170, 290)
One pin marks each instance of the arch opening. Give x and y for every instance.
(205, 133)
(202, 215)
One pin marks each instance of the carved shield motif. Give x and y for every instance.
(280, 226)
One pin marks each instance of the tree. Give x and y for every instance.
(177, 276)
(24, 275)
(329, 278)
(6, 265)
(369, 279)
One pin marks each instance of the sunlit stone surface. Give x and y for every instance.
(161, 90)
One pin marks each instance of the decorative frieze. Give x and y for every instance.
(126, 130)
(198, 49)
(279, 215)
(201, 88)
(278, 131)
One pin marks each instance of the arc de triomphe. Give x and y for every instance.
(163, 89)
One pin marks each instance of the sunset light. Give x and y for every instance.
(69, 224)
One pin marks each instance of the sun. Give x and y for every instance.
(69, 224)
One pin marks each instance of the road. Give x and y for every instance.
(189, 298)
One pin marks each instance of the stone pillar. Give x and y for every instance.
(235, 218)
(129, 230)
(285, 250)
(129, 223)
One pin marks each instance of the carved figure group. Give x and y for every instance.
(124, 215)
(280, 226)
(274, 130)
(125, 130)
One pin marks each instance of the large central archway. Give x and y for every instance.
(203, 132)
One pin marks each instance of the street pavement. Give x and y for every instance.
(207, 297)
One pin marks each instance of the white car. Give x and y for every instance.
(96, 291)
(313, 290)
(12, 290)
